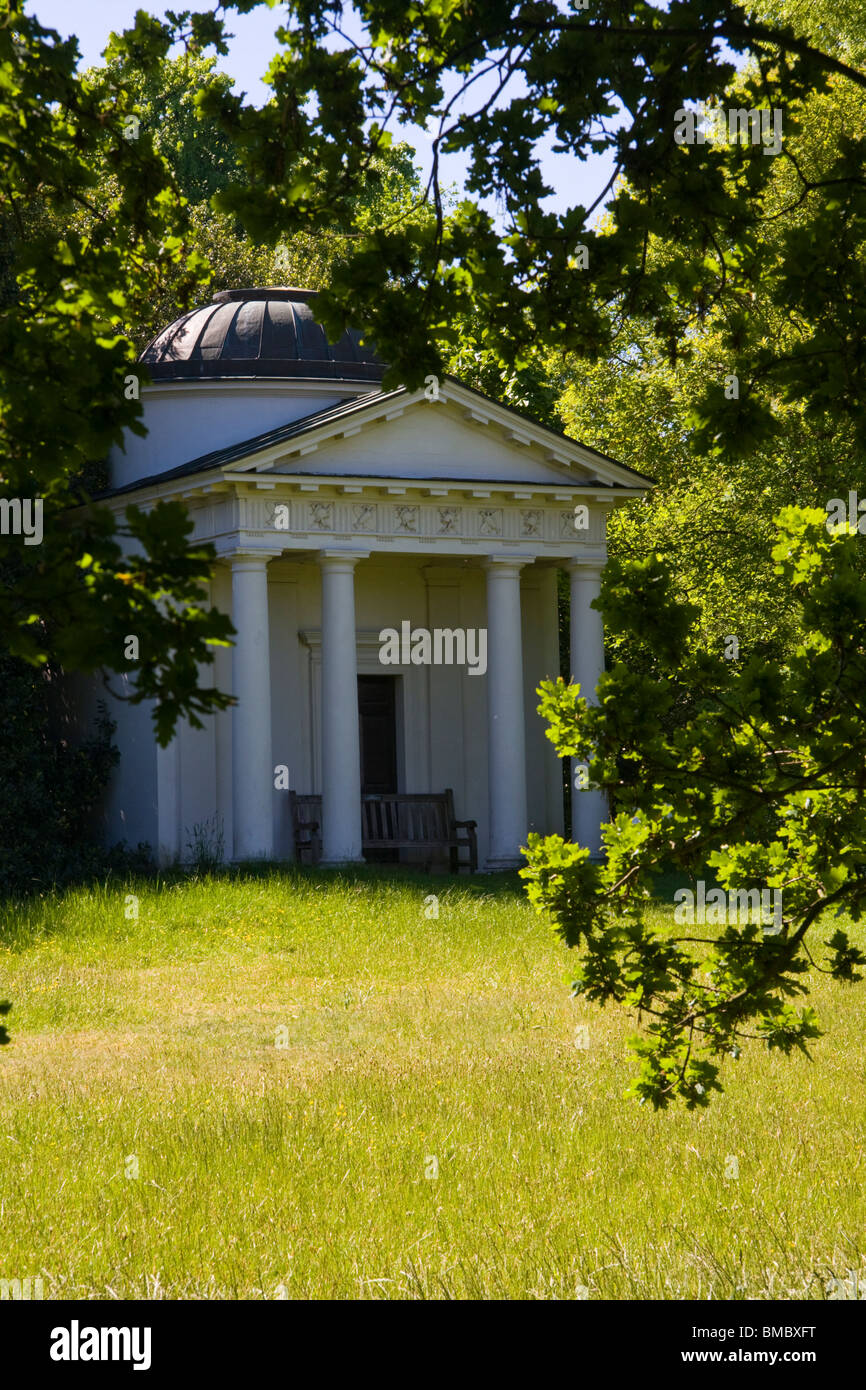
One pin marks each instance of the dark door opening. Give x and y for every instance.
(377, 709)
(377, 718)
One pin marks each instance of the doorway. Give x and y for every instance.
(377, 717)
(377, 720)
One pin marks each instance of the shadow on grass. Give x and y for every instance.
(476, 885)
(39, 913)
(21, 910)
(136, 872)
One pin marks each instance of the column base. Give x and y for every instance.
(496, 866)
(339, 863)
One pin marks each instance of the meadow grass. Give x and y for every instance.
(427, 1127)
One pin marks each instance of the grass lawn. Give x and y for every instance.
(326, 1093)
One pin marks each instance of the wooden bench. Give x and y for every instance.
(422, 820)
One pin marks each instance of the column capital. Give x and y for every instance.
(249, 559)
(590, 565)
(341, 561)
(504, 564)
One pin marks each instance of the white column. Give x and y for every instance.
(341, 744)
(544, 770)
(287, 698)
(506, 730)
(588, 808)
(252, 772)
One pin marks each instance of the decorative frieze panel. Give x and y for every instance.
(490, 521)
(321, 516)
(406, 521)
(427, 521)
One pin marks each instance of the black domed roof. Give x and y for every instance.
(258, 332)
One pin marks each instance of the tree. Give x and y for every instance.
(163, 94)
(711, 514)
(753, 769)
(76, 584)
(600, 80)
(50, 784)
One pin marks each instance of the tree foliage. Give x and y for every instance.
(51, 783)
(64, 363)
(166, 96)
(760, 775)
(711, 514)
(599, 80)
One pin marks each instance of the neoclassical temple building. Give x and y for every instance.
(341, 512)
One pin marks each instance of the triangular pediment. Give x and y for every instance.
(458, 436)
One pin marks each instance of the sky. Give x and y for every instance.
(250, 52)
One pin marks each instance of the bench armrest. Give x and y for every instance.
(466, 824)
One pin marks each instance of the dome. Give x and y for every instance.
(258, 332)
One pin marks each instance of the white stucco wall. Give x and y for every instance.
(186, 419)
(129, 807)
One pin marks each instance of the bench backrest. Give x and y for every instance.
(418, 818)
(306, 810)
